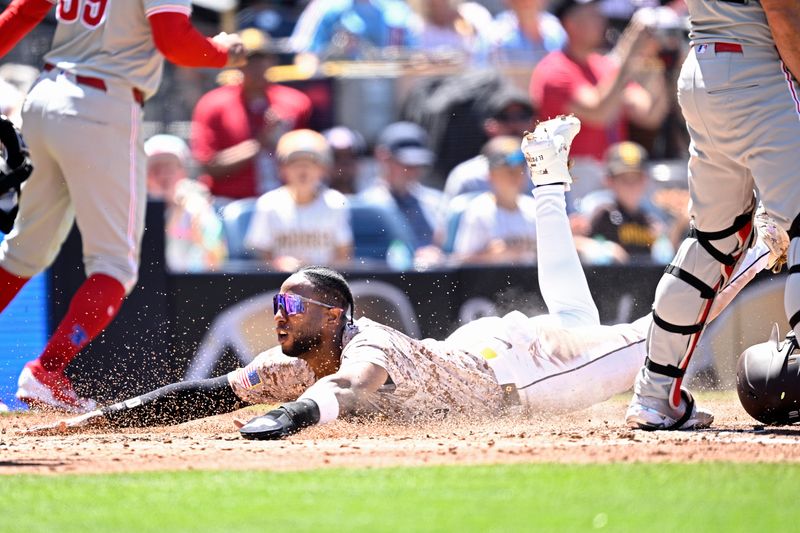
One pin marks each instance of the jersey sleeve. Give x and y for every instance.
(272, 377)
(151, 7)
(20, 17)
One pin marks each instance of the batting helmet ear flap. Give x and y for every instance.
(16, 168)
(768, 380)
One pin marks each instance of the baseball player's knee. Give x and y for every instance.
(126, 272)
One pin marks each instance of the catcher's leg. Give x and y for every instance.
(792, 292)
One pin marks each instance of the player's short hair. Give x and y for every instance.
(333, 283)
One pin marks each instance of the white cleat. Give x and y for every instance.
(3, 407)
(652, 414)
(547, 148)
(50, 390)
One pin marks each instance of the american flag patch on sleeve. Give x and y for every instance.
(248, 378)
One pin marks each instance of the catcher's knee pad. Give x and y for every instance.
(701, 268)
(768, 380)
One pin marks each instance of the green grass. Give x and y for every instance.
(704, 497)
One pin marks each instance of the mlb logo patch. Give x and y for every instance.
(701, 48)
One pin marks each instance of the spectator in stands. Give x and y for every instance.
(624, 220)
(302, 222)
(403, 155)
(347, 175)
(235, 127)
(509, 112)
(500, 226)
(353, 29)
(194, 233)
(523, 34)
(450, 26)
(604, 91)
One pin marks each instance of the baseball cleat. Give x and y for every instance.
(652, 414)
(3, 407)
(546, 150)
(40, 388)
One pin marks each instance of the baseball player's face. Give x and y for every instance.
(300, 333)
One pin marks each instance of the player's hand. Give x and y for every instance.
(237, 55)
(274, 425)
(91, 419)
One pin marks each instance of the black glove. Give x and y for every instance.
(15, 168)
(286, 420)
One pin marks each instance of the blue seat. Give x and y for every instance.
(236, 219)
(455, 210)
(375, 227)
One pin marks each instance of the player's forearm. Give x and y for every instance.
(784, 20)
(175, 403)
(20, 17)
(182, 44)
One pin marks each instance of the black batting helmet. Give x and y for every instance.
(768, 380)
(15, 167)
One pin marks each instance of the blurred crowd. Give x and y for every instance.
(264, 178)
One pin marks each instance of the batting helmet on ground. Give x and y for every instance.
(15, 168)
(768, 380)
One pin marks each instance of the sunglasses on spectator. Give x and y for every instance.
(294, 304)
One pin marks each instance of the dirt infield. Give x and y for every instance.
(590, 436)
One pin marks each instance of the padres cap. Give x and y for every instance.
(503, 150)
(306, 144)
(408, 143)
(625, 157)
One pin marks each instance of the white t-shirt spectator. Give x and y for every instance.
(484, 221)
(310, 233)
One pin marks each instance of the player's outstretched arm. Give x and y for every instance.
(345, 393)
(172, 404)
(182, 44)
(783, 17)
(20, 17)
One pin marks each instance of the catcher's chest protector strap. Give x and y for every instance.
(705, 238)
(665, 370)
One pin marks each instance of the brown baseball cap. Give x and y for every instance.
(304, 144)
(625, 157)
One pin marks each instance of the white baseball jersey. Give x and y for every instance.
(485, 221)
(741, 22)
(111, 39)
(309, 232)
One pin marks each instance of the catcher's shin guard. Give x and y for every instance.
(791, 299)
(701, 268)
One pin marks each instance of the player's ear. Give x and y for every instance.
(334, 316)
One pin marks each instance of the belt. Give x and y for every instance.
(99, 83)
(728, 47)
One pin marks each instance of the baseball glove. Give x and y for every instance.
(15, 168)
(774, 236)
